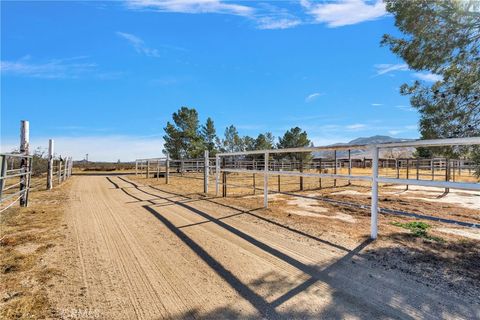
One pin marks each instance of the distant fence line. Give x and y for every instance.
(20, 166)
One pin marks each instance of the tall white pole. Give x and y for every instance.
(25, 163)
(265, 182)
(374, 206)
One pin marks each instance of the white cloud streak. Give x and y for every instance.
(428, 77)
(344, 13)
(139, 45)
(356, 127)
(192, 6)
(385, 68)
(70, 68)
(312, 97)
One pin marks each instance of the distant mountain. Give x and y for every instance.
(404, 152)
(376, 139)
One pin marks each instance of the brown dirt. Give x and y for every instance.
(28, 236)
(139, 251)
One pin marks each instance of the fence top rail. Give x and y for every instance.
(151, 159)
(409, 143)
(16, 155)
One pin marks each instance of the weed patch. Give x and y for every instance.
(418, 229)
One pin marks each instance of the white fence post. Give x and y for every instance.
(25, 163)
(217, 174)
(374, 205)
(50, 165)
(265, 182)
(206, 165)
(136, 167)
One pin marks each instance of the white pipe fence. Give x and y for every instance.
(22, 168)
(374, 178)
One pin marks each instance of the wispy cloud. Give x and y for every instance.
(71, 68)
(277, 23)
(192, 6)
(428, 77)
(139, 44)
(313, 96)
(405, 108)
(344, 13)
(357, 126)
(377, 104)
(385, 68)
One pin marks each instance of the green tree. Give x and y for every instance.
(295, 138)
(182, 139)
(248, 143)
(441, 38)
(232, 141)
(264, 141)
(209, 136)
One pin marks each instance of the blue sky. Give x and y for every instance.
(104, 77)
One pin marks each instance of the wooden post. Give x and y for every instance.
(224, 180)
(432, 168)
(254, 185)
(24, 162)
(205, 171)
(50, 165)
(59, 170)
(301, 178)
(408, 171)
(148, 169)
(3, 172)
(447, 173)
(418, 168)
(397, 167)
(65, 168)
(265, 182)
(279, 183)
(349, 165)
(374, 200)
(217, 174)
(335, 168)
(136, 167)
(181, 167)
(320, 171)
(167, 170)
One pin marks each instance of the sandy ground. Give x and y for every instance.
(136, 251)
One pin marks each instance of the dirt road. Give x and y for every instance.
(136, 252)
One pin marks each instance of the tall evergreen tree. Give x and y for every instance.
(182, 139)
(442, 39)
(295, 138)
(232, 141)
(209, 136)
(264, 141)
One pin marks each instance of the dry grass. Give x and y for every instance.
(27, 236)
